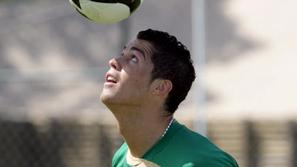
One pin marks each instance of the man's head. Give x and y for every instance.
(153, 68)
(172, 61)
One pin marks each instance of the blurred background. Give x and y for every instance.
(53, 61)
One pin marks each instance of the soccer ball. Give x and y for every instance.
(106, 11)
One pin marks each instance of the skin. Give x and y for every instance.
(136, 101)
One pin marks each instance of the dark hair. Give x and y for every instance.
(172, 61)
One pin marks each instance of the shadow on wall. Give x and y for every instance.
(41, 29)
(224, 44)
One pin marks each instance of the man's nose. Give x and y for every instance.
(114, 63)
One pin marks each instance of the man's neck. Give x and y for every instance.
(141, 130)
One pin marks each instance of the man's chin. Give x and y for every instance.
(107, 98)
(108, 102)
(104, 98)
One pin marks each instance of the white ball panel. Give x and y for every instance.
(104, 12)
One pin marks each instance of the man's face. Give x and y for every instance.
(128, 80)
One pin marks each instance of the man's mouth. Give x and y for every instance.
(110, 79)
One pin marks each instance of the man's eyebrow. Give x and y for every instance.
(139, 50)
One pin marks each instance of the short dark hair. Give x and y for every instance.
(172, 61)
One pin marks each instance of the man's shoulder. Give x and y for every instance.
(192, 149)
(186, 139)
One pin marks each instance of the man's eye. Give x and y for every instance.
(134, 59)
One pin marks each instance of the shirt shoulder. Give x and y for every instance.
(186, 148)
(200, 151)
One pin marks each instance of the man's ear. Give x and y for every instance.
(161, 87)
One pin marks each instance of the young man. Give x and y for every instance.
(143, 88)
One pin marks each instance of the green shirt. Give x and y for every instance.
(180, 147)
